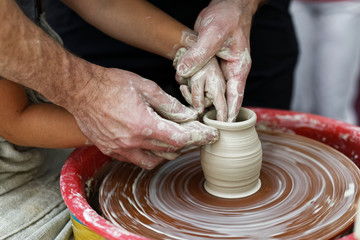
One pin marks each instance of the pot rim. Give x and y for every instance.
(248, 114)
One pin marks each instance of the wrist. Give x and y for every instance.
(187, 40)
(247, 10)
(247, 7)
(77, 88)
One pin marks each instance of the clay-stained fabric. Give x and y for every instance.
(31, 206)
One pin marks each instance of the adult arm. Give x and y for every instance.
(224, 31)
(116, 110)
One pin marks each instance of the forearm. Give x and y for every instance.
(30, 57)
(39, 125)
(135, 22)
(46, 125)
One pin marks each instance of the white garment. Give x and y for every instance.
(329, 63)
(31, 206)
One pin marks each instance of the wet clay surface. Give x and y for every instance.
(308, 191)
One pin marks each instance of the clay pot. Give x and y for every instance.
(232, 165)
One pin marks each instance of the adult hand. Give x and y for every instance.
(205, 87)
(224, 31)
(122, 115)
(119, 112)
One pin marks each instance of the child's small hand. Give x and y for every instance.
(205, 87)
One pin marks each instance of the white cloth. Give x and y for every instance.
(327, 71)
(31, 206)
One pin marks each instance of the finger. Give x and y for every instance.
(220, 104)
(215, 89)
(208, 102)
(166, 155)
(155, 145)
(175, 134)
(162, 146)
(139, 157)
(235, 88)
(200, 133)
(236, 73)
(184, 89)
(166, 105)
(168, 131)
(201, 52)
(235, 96)
(221, 107)
(198, 91)
(180, 52)
(181, 80)
(198, 22)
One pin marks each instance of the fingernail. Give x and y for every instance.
(171, 155)
(231, 119)
(148, 165)
(221, 116)
(191, 114)
(215, 136)
(200, 109)
(182, 69)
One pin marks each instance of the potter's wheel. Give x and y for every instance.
(308, 191)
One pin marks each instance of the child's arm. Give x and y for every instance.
(38, 125)
(136, 22)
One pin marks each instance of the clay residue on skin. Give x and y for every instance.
(236, 97)
(198, 133)
(208, 86)
(197, 55)
(235, 78)
(180, 52)
(188, 38)
(146, 132)
(205, 87)
(166, 155)
(207, 21)
(171, 112)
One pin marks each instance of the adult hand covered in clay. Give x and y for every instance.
(224, 31)
(205, 87)
(124, 116)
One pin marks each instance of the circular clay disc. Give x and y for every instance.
(308, 191)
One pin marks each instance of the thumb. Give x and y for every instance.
(164, 104)
(198, 54)
(171, 108)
